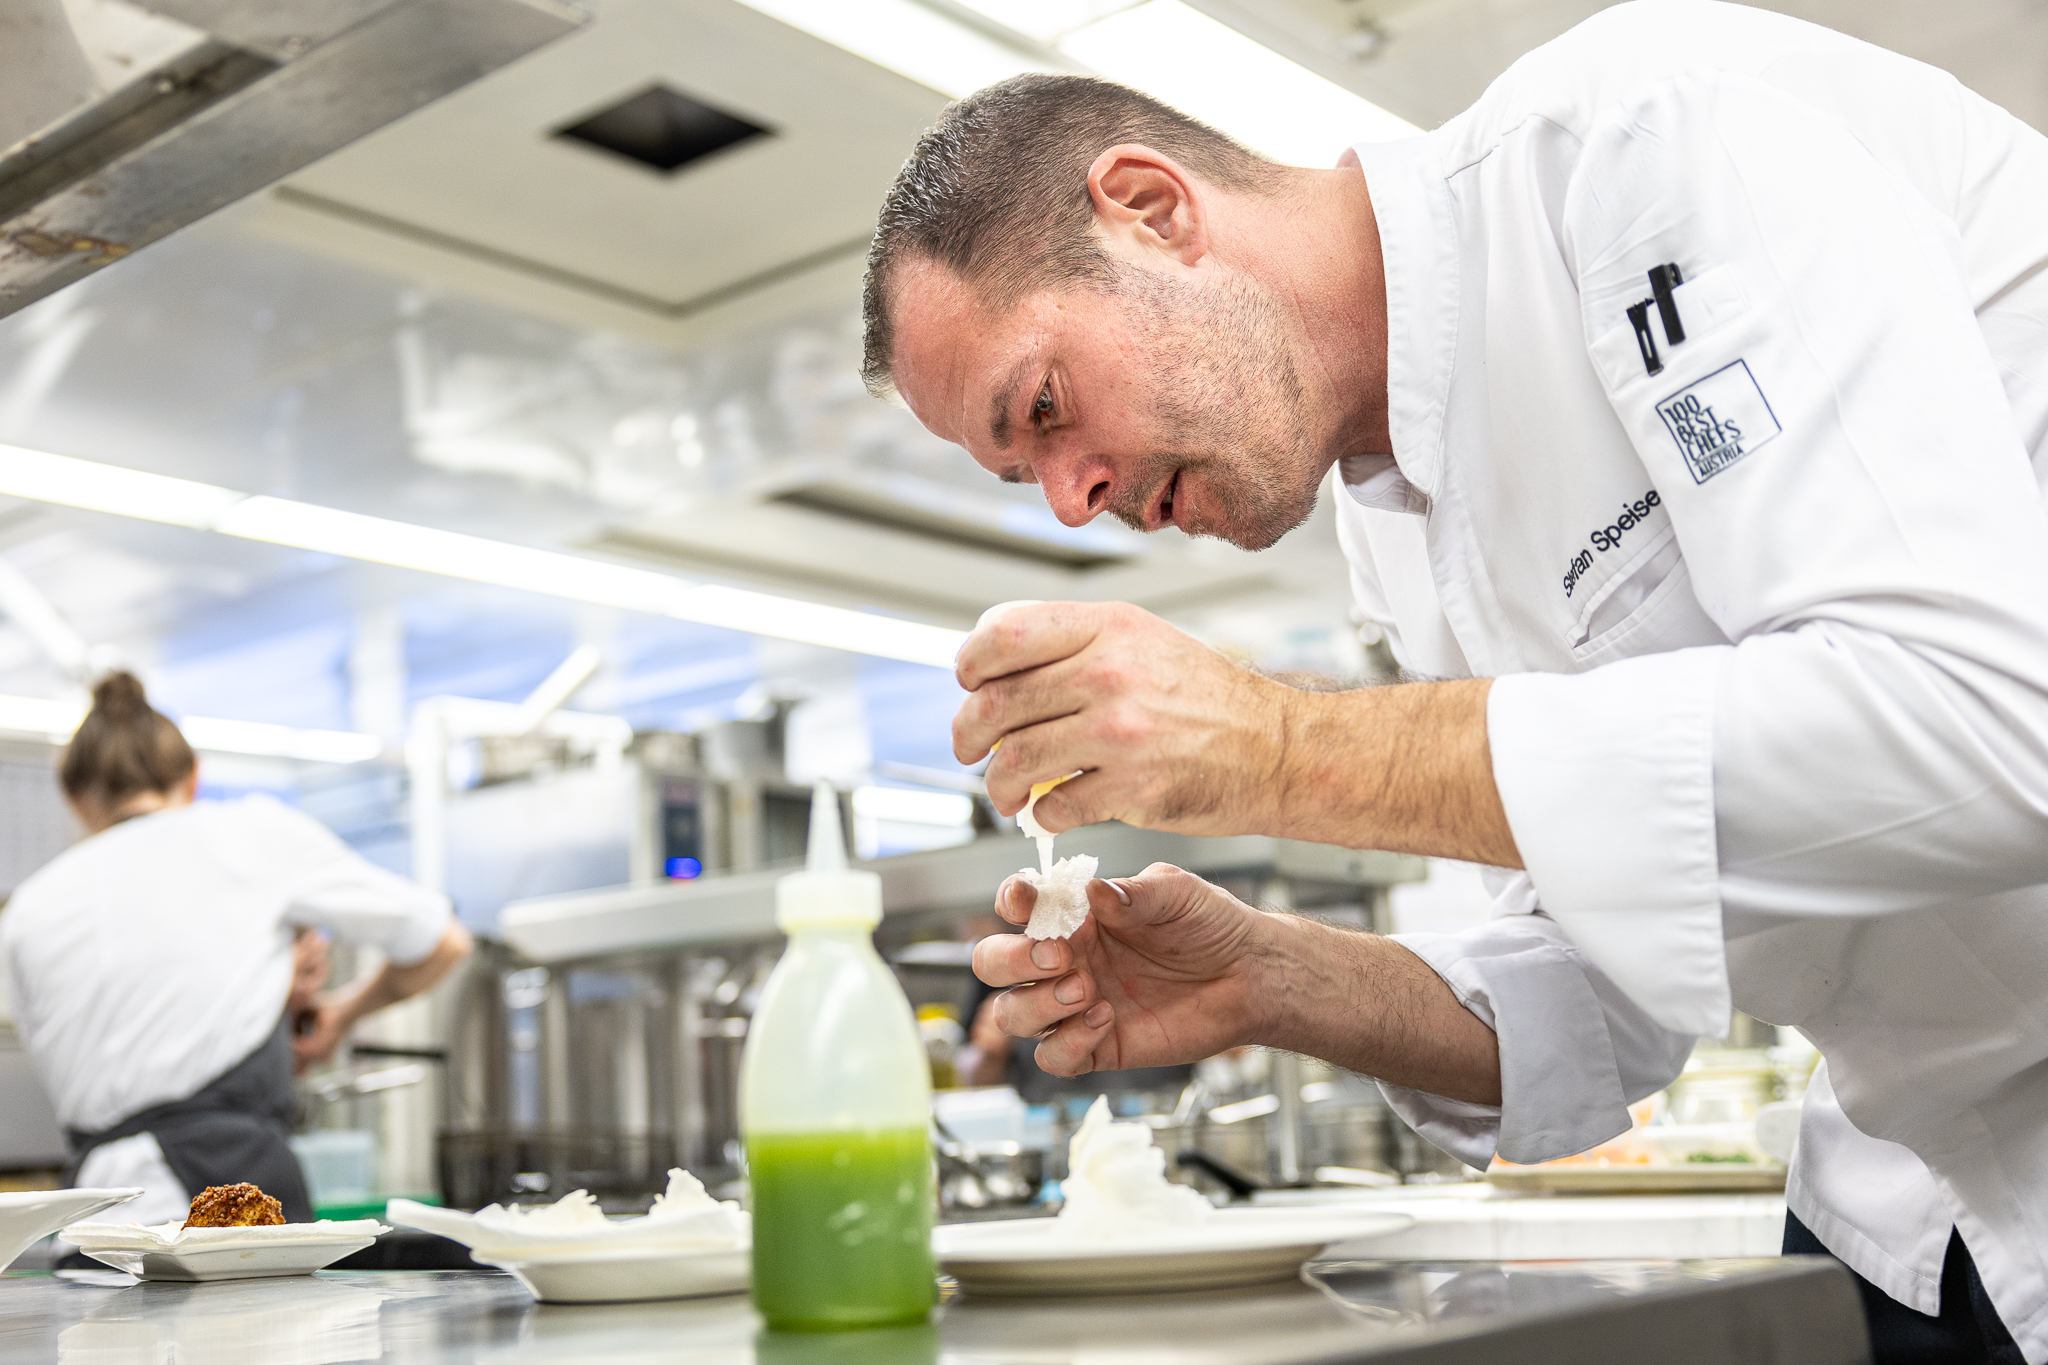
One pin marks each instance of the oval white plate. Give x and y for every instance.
(28, 1216)
(243, 1262)
(169, 1252)
(596, 1277)
(1236, 1246)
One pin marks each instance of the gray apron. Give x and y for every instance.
(234, 1129)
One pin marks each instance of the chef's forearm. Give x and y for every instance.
(1365, 1003)
(1404, 768)
(394, 982)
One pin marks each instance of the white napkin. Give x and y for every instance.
(91, 1237)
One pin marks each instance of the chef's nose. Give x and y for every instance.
(1077, 488)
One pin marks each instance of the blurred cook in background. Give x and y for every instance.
(166, 976)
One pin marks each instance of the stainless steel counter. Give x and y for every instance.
(1759, 1312)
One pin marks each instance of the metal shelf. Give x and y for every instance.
(741, 907)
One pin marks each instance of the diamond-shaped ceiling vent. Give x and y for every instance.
(662, 129)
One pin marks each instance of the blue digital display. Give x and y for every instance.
(684, 869)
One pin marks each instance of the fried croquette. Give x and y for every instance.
(234, 1206)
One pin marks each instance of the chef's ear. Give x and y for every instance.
(1146, 201)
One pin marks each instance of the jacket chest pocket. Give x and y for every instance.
(1630, 596)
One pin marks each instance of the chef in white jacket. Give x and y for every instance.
(1687, 399)
(150, 965)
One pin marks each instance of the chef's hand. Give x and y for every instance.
(1168, 733)
(311, 964)
(1169, 969)
(1161, 972)
(319, 1034)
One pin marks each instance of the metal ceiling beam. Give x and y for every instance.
(279, 84)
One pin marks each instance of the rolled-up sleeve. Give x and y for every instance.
(1575, 1051)
(1872, 540)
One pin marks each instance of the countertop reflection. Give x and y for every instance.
(1341, 1309)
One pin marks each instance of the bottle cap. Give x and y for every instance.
(827, 893)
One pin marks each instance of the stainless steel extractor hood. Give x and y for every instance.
(214, 100)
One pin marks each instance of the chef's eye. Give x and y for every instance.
(1041, 406)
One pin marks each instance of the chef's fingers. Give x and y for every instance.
(1027, 1011)
(1013, 959)
(1083, 800)
(1015, 899)
(1027, 637)
(1069, 1050)
(1009, 705)
(1050, 749)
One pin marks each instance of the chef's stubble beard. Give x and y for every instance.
(1228, 404)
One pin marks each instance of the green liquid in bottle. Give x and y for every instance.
(842, 1229)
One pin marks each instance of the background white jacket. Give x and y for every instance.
(1770, 625)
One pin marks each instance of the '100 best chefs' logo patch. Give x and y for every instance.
(1718, 420)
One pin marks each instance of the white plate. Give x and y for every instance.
(1033, 1256)
(231, 1263)
(28, 1216)
(241, 1253)
(597, 1277)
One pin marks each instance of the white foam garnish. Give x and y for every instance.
(685, 1195)
(576, 1209)
(1116, 1183)
(683, 1213)
(1062, 905)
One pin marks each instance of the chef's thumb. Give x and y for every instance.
(1154, 894)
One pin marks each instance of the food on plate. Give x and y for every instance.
(234, 1206)
(1116, 1183)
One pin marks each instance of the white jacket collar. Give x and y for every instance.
(1419, 251)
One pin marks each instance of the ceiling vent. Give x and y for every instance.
(662, 129)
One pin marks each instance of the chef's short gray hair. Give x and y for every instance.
(997, 192)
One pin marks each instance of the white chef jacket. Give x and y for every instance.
(1769, 626)
(148, 959)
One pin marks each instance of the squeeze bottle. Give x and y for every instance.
(835, 1107)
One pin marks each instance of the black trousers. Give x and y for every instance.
(1966, 1332)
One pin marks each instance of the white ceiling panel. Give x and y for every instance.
(479, 176)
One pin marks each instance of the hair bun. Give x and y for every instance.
(120, 693)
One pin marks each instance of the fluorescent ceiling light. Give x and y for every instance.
(54, 720)
(1211, 71)
(100, 487)
(40, 716)
(1165, 47)
(911, 39)
(279, 741)
(913, 807)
